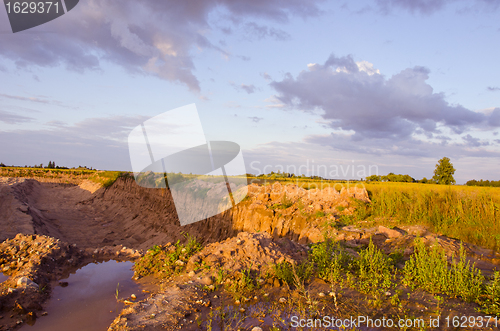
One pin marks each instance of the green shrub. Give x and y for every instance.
(490, 303)
(160, 261)
(428, 268)
(284, 271)
(375, 270)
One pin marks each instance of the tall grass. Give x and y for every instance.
(469, 214)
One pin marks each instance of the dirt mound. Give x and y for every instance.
(249, 251)
(293, 212)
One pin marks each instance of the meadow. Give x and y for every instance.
(468, 213)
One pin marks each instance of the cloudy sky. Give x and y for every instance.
(392, 85)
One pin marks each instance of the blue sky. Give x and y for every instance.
(394, 84)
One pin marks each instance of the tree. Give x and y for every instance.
(444, 172)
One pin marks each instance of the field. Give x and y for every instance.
(286, 250)
(468, 213)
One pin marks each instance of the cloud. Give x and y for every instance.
(429, 6)
(244, 87)
(114, 127)
(353, 96)
(494, 118)
(10, 118)
(407, 150)
(145, 37)
(42, 100)
(257, 32)
(274, 102)
(493, 89)
(474, 142)
(243, 57)
(96, 142)
(30, 99)
(335, 156)
(266, 76)
(256, 119)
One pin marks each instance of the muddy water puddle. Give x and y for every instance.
(3, 277)
(86, 300)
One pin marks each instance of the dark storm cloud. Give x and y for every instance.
(148, 37)
(360, 99)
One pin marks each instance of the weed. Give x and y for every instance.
(285, 271)
(243, 284)
(320, 214)
(375, 270)
(490, 301)
(285, 203)
(428, 268)
(164, 261)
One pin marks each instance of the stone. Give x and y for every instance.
(282, 300)
(256, 328)
(26, 282)
(206, 280)
(391, 233)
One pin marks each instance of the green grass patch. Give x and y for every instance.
(165, 261)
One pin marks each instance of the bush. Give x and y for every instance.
(428, 268)
(160, 261)
(284, 271)
(375, 270)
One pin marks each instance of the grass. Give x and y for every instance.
(471, 214)
(285, 203)
(165, 261)
(293, 275)
(468, 213)
(105, 178)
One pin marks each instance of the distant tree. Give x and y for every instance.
(373, 178)
(443, 174)
(473, 182)
(424, 180)
(2, 165)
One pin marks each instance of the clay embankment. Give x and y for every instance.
(137, 217)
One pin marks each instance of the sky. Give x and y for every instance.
(330, 88)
